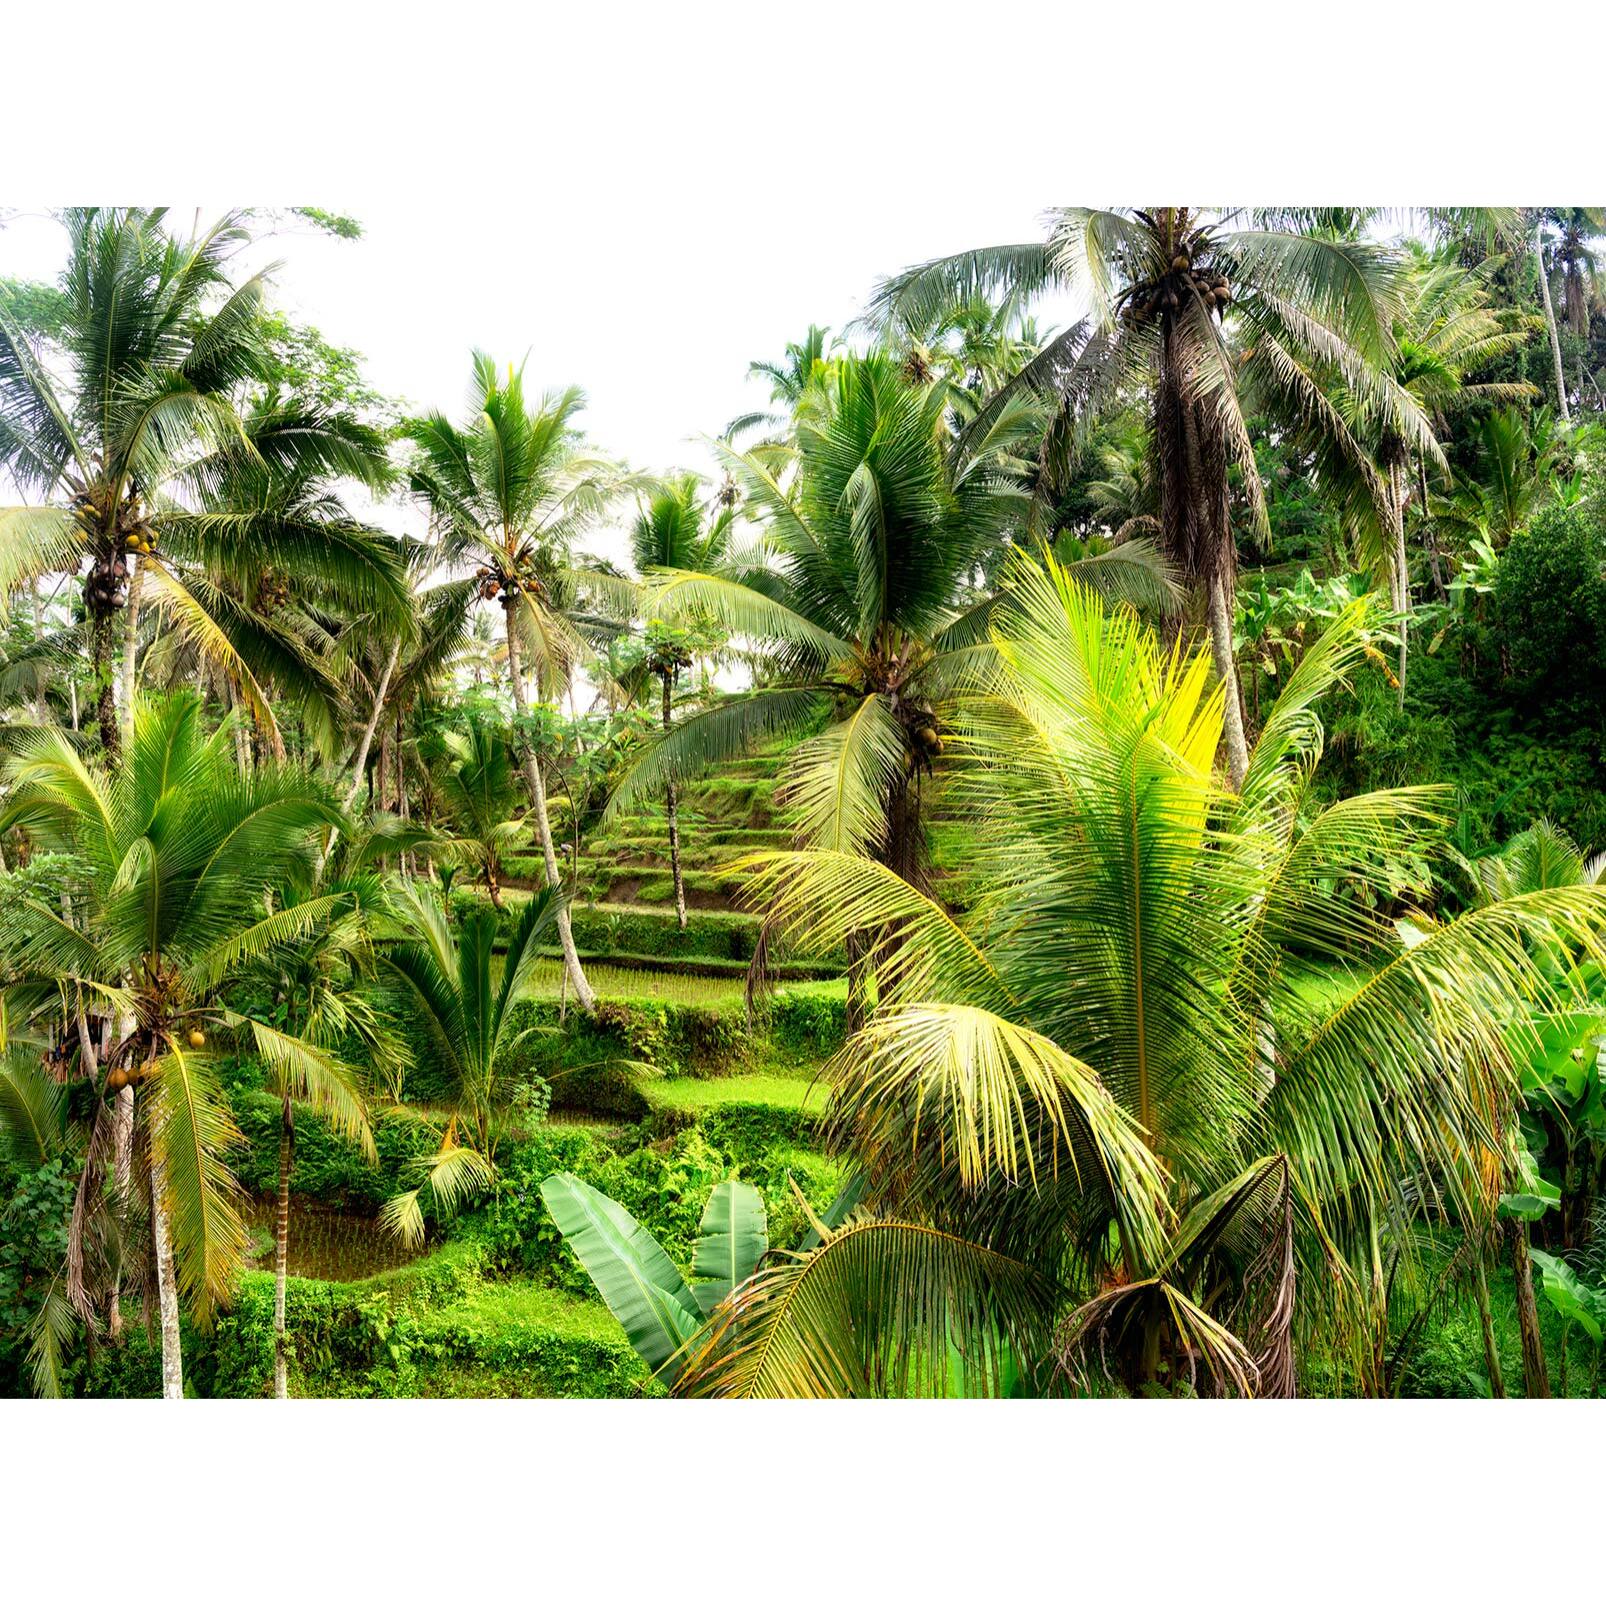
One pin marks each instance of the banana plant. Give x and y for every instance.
(1580, 1304)
(639, 1283)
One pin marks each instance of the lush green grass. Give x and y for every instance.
(762, 1087)
(619, 981)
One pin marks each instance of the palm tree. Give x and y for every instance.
(510, 490)
(805, 363)
(178, 852)
(477, 791)
(1174, 1092)
(1205, 312)
(864, 608)
(321, 992)
(448, 983)
(155, 471)
(672, 531)
(1517, 463)
(1446, 328)
(1575, 259)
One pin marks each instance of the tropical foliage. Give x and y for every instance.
(1038, 861)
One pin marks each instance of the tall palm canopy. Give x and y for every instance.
(174, 856)
(673, 530)
(136, 427)
(1214, 313)
(511, 490)
(865, 608)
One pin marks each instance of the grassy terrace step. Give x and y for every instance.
(729, 842)
(699, 1093)
(631, 884)
(640, 965)
(522, 1340)
(669, 983)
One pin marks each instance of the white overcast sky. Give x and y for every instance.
(645, 199)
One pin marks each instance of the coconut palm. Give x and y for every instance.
(177, 851)
(1575, 259)
(1207, 311)
(865, 614)
(510, 491)
(1518, 463)
(1175, 1090)
(674, 531)
(135, 429)
(476, 789)
(1446, 328)
(321, 992)
(448, 983)
(805, 363)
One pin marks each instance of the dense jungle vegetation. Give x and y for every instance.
(1071, 861)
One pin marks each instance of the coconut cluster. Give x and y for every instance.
(273, 591)
(1175, 290)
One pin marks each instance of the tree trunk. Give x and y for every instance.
(125, 711)
(1550, 325)
(281, 1252)
(1536, 1380)
(1227, 672)
(122, 1176)
(1401, 561)
(1491, 1351)
(382, 768)
(672, 809)
(41, 702)
(1430, 539)
(242, 742)
(543, 824)
(359, 764)
(166, 1291)
(106, 692)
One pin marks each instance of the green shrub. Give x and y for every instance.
(33, 1244)
(437, 1327)
(809, 1021)
(327, 1166)
(1550, 603)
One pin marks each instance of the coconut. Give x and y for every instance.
(197, 1037)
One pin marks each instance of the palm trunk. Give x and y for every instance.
(672, 809)
(1536, 1380)
(106, 691)
(1227, 672)
(281, 1253)
(122, 1175)
(1550, 325)
(383, 768)
(1402, 562)
(242, 742)
(1431, 540)
(125, 712)
(166, 1291)
(41, 702)
(543, 824)
(1491, 1351)
(359, 764)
